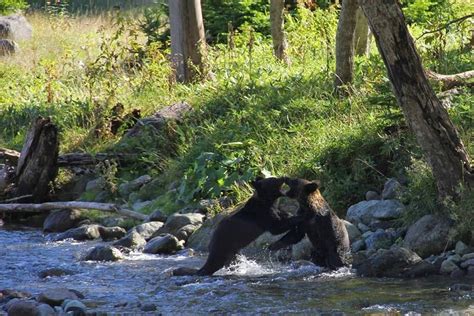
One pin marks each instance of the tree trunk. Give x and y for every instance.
(345, 44)
(37, 165)
(425, 115)
(277, 9)
(187, 39)
(361, 37)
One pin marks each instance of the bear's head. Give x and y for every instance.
(268, 189)
(306, 193)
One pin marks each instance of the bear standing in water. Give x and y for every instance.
(245, 225)
(325, 230)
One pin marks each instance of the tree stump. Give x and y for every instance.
(37, 165)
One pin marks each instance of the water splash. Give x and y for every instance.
(244, 266)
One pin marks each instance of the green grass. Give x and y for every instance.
(255, 115)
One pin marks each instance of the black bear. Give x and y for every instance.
(325, 230)
(245, 225)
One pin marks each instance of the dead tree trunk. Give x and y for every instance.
(187, 38)
(37, 165)
(425, 115)
(277, 9)
(361, 36)
(345, 44)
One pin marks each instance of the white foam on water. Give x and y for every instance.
(247, 267)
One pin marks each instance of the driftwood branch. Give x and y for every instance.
(451, 81)
(71, 159)
(105, 207)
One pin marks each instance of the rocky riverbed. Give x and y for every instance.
(38, 268)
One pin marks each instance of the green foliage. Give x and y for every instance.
(155, 24)
(11, 6)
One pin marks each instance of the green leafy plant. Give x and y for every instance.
(11, 6)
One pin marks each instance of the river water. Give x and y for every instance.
(246, 288)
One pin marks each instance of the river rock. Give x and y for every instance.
(393, 262)
(163, 245)
(150, 307)
(8, 47)
(461, 248)
(352, 230)
(358, 245)
(177, 221)
(158, 216)
(379, 240)
(146, 230)
(111, 233)
(7, 295)
(200, 239)
(87, 232)
(15, 27)
(367, 211)
(461, 287)
(54, 272)
(55, 297)
(128, 187)
(77, 308)
(457, 273)
(302, 250)
(467, 256)
(132, 240)
(62, 220)
(184, 232)
(104, 253)
(467, 263)
(17, 307)
(447, 267)
(112, 221)
(429, 235)
(363, 228)
(372, 195)
(391, 189)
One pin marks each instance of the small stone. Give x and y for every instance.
(184, 232)
(149, 307)
(104, 253)
(55, 297)
(146, 230)
(392, 189)
(457, 274)
(75, 307)
(45, 310)
(358, 245)
(126, 188)
(367, 234)
(447, 267)
(461, 248)
(133, 240)
(177, 221)
(363, 228)
(379, 240)
(87, 232)
(163, 244)
(17, 307)
(352, 230)
(467, 256)
(157, 216)
(111, 233)
(460, 287)
(467, 263)
(372, 195)
(455, 258)
(140, 206)
(54, 272)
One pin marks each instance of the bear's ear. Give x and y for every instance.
(254, 182)
(311, 187)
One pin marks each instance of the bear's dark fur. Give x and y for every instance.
(245, 225)
(325, 230)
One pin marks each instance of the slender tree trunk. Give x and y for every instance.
(277, 8)
(345, 43)
(425, 115)
(361, 37)
(187, 38)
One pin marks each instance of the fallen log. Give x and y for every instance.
(9, 156)
(451, 81)
(47, 206)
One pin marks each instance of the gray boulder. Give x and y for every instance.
(391, 189)
(74, 306)
(366, 212)
(461, 248)
(54, 272)
(429, 235)
(146, 230)
(448, 266)
(8, 47)
(380, 239)
(86, 232)
(200, 239)
(184, 232)
(177, 221)
(352, 230)
(467, 263)
(55, 297)
(104, 253)
(62, 220)
(28, 308)
(133, 241)
(393, 262)
(372, 195)
(157, 216)
(111, 233)
(358, 245)
(165, 244)
(128, 187)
